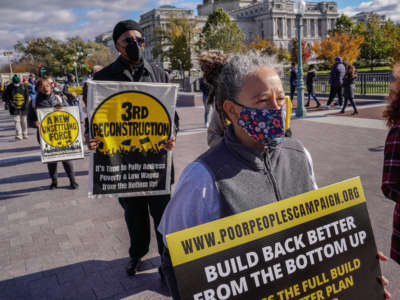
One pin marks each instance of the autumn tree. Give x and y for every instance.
(265, 47)
(305, 49)
(221, 33)
(339, 44)
(175, 42)
(258, 44)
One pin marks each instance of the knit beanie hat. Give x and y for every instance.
(123, 26)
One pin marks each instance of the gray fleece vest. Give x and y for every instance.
(247, 178)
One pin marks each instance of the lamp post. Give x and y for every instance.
(79, 54)
(299, 9)
(8, 53)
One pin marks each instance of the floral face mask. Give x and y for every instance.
(266, 126)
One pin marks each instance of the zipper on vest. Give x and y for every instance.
(271, 176)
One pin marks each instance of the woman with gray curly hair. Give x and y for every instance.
(253, 165)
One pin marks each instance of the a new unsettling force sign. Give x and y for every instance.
(132, 126)
(315, 246)
(60, 134)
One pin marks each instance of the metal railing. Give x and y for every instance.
(368, 84)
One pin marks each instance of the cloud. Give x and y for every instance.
(389, 8)
(21, 19)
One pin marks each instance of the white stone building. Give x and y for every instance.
(275, 20)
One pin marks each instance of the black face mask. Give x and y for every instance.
(133, 50)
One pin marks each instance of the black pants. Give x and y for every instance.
(349, 96)
(138, 221)
(68, 167)
(292, 90)
(335, 89)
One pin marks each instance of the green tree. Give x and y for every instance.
(343, 25)
(58, 56)
(221, 33)
(376, 45)
(174, 42)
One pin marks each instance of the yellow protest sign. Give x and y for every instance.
(76, 89)
(59, 129)
(317, 245)
(60, 133)
(129, 122)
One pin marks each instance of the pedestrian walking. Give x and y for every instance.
(32, 89)
(391, 164)
(47, 98)
(336, 81)
(17, 98)
(293, 80)
(205, 89)
(348, 87)
(310, 85)
(132, 66)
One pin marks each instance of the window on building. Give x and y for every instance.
(333, 23)
(280, 28)
(289, 28)
(312, 25)
(319, 27)
(262, 34)
(305, 27)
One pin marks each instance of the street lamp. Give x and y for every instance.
(79, 54)
(299, 9)
(8, 53)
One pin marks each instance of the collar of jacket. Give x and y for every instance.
(127, 69)
(253, 157)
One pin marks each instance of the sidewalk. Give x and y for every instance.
(61, 245)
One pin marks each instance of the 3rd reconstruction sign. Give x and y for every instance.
(132, 127)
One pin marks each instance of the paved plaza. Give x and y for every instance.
(62, 245)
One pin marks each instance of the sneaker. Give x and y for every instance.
(325, 106)
(318, 105)
(354, 113)
(132, 266)
(53, 185)
(18, 138)
(307, 105)
(74, 185)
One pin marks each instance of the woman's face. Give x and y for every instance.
(263, 90)
(45, 87)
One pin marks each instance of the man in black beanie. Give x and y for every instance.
(131, 66)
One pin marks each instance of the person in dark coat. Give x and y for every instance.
(310, 86)
(17, 97)
(349, 86)
(205, 89)
(46, 98)
(131, 66)
(336, 81)
(293, 80)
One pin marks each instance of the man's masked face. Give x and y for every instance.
(130, 44)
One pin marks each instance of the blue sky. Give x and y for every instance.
(22, 19)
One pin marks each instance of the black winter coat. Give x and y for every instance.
(17, 98)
